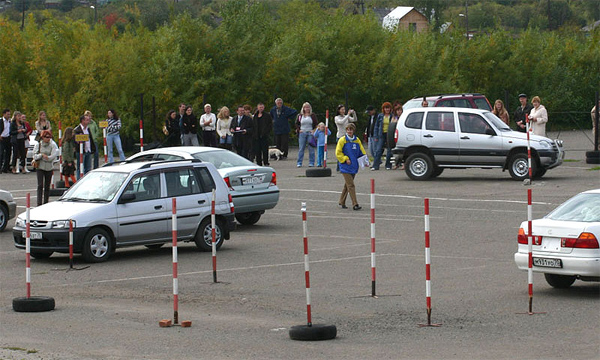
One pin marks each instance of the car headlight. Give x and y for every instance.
(545, 143)
(20, 222)
(62, 224)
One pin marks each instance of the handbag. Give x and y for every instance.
(312, 142)
(165, 130)
(36, 163)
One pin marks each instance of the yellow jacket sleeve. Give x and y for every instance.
(339, 150)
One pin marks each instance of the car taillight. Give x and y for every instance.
(396, 136)
(273, 179)
(522, 238)
(584, 241)
(231, 208)
(228, 183)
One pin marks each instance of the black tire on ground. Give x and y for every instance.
(57, 192)
(437, 172)
(203, 238)
(519, 166)
(41, 255)
(315, 332)
(33, 304)
(390, 135)
(539, 173)
(250, 218)
(59, 184)
(154, 246)
(3, 217)
(418, 166)
(592, 157)
(97, 245)
(559, 281)
(318, 172)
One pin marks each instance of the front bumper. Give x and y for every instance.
(577, 266)
(56, 240)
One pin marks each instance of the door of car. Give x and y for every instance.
(479, 142)
(144, 218)
(193, 199)
(441, 137)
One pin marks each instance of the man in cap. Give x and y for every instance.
(522, 111)
(372, 113)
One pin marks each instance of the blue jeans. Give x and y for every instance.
(87, 164)
(116, 139)
(382, 144)
(320, 154)
(374, 147)
(303, 139)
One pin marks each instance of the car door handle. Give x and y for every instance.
(201, 202)
(465, 137)
(428, 136)
(158, 207)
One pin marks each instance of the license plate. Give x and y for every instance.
(33, 235)
(552, 263)
(253, 180)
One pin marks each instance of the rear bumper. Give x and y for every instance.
(258, 201)
(571, 265)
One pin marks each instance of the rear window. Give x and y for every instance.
(414, 120)
(464, 103)
(482, 103)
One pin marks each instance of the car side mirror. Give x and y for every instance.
(489, 132)
(125, 198)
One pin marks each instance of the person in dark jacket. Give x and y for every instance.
(373, 115)
(190, 128)
(5, 145)
(282, 115)
(89, 147)
(173, 130)
(261, 132)
(241, 128)
(520, 113)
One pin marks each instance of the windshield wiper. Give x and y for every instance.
(97, 200)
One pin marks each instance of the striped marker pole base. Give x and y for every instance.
(71, 267)
(428, 268)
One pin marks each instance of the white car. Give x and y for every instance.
(253, 188)
(8, 208)
(565, 242)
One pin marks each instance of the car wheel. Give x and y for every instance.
(203, 237)
(519, 166)
(559, 281)
(3, 217)
(539, 173)
(437, 171)
(41, 255)
(33, 304)
(97, 245)
(154, 246)
(250, 218)
(418, 166)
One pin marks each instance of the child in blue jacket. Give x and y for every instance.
(321, 139)
(348, 150)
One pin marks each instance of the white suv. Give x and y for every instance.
(429, 140)
(131, 204)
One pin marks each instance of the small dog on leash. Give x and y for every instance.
(275, 153)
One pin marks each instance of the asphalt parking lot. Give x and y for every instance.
(111, 310)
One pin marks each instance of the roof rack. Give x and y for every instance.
(150, 163)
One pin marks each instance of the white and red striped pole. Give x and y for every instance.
(529, 149)
(60, 165)
(306, 265)
(214, 235)
(81, 159)
(70, 243)
(373, 271)
(326, 131)
(530, 249)
(175, 280)
(141, 135)
(105, 147)
(28, 246)
(427, 266)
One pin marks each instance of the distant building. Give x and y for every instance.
(405, 18)
(52, 4)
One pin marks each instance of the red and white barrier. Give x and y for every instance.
(141, 135)
(105, 147)
(528, 148)
(81, 159)
(306, 265)
(530, 249)
(28, 246)
(326, 131)
(427, 266)
(175, 280)
(213, 224)
(60, 158)
(70, 243)
(373, 268)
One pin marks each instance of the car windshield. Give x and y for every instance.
(582, 207)
(499, 124)
(96, 186)
(222, 159)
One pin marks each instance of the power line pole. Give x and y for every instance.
(23, 18)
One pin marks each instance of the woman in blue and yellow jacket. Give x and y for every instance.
(348, 150)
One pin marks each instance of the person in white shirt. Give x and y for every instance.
(341, 121)
(208, 122)
(538, 117)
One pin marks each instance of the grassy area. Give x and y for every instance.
(13, 348)
(595, 168)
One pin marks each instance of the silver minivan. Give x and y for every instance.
(131, 204)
